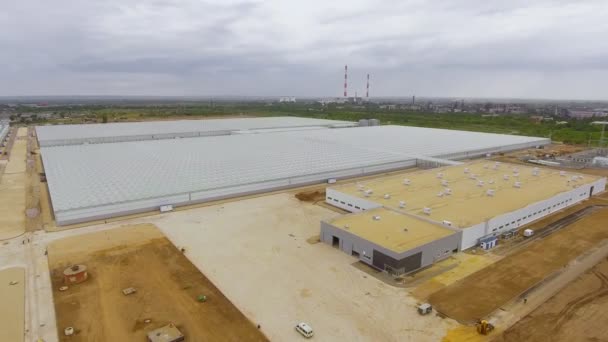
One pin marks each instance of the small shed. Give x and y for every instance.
(75, 274)
(488, 242)
(168, 333)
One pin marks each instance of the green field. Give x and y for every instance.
(572, 132)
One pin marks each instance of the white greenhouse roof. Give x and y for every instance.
(102, 180)
(130, 131)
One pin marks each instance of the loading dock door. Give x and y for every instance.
(405, 265)
(335, 241)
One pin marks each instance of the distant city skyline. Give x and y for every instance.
(546, 49)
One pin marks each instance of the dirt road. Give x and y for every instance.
(577, 313)
(167, 284)
(12, 189)
(478, 295)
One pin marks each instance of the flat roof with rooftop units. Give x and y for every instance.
(390, 229)
(389, 240)
(483, 197)
(469, 193)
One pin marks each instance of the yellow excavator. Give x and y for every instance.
(484, 327)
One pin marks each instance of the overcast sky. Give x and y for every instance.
(460, 48)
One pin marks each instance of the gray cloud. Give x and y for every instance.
(544, 48)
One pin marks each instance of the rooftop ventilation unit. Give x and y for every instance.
(480, 183)
(490, 192)
(369, 191)
(444, 182)
(439, 175)
(440, 194)
(491, 181)
(447, 191)
(534, 172)
(427, 210)
(387, 196)
(486, 166)
(376, 218)
(466, 170)
(473, 176)
(516, 174)
(562, 173)
(346, 226)
(401, 204)
(360, 187)
(407, 182)
(515, 170)
(505, 177)
(517, 184)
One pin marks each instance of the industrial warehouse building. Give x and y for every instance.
(93, 175)
(391, 241)
(480, 199)
(155, 130)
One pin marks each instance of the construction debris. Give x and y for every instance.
(168, 333)
(128, 291)
(68, 331)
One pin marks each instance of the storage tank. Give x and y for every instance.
(374, 122)
(363, 123)
(75, 274)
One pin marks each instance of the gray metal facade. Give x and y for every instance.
(386, 260)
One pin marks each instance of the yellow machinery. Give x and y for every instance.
(484, 327)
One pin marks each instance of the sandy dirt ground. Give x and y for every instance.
(577, 313)
(478, 295)
(12, 304)
(12, 189)
(256, 251)
(167, 289)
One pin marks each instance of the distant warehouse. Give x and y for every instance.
(95, 174)
(478, 199)
(58, 135)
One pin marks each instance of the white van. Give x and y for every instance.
(305, 330)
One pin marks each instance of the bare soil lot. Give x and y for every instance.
(12, 307)
(167, 284)
(577, 313)
(478, 295)
(256, 250)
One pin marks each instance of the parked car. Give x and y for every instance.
(305, 330)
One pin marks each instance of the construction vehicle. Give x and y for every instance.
(484, 327)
